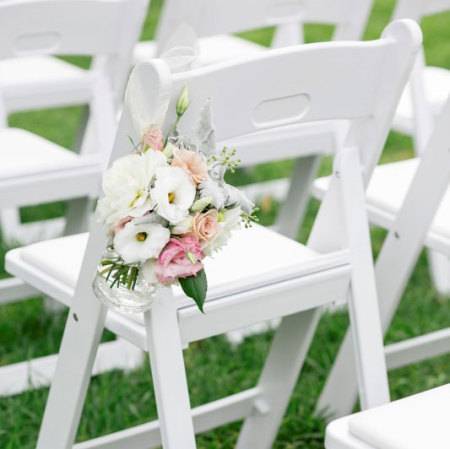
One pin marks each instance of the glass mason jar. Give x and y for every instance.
(119, 297)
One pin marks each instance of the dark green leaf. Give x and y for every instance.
(196, 287)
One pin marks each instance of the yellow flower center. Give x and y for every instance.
(141, 236)
(171, 197)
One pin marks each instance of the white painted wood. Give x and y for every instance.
(426, 102)
(205, 417)
(39, 372)
(169, 373)
(417, 349)
(278, 378)
(413, 422)
(399, 254)
(355, 76)
(29, 31)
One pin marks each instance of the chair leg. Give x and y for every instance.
(440, 272)
(10, 223)
(169, 374)
(77, 217)
(79, 345)
(279, 376)
(294, 207)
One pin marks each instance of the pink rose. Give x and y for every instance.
(191, 162)
(154, 139)
(205, 225)
(180, 258)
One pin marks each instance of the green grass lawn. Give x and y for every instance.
(116, 400)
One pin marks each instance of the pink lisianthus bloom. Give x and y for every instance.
(153, 138)
(192, 162)
(180, 258)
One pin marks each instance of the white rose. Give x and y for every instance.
(173, 193)
(126, 186)
(139, 242)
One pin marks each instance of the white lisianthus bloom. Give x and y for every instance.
(173, 193)
(148, 271)
(184, 226)
(139, 242)
(229, 220)
(126, 186)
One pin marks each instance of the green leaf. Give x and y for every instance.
(196, 287)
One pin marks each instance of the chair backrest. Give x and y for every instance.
(417, 9)
(423, 114)
(104, 29)
(356, 81)
(212, 17)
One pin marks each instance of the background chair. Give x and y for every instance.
(411, 199)
(31, 77)
(421, 102)
(415, 422)
(335, 263)
(215, 21)
(35, 170)
(420, 420)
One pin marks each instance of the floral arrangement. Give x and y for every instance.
(167, 206)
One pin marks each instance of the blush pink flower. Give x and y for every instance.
(153, 138)
(205, 225)
(191, 162)
(180, 258)
(121, 224)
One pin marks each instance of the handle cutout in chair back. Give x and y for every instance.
(45, 42)
(281, 111)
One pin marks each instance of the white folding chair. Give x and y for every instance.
(260, 274)
(421, 102)
(421, 205)
(34, 170)
(412, 199)
(214, 21)
(417, 422)
(31, 77)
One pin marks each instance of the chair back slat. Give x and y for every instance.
(81, 27)
(212, 17)
(417, 9)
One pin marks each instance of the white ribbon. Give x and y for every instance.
(180, 52)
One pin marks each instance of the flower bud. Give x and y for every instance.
(183, 102)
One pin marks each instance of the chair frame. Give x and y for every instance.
(400, 253)
(168, 326)
(408, 233)
(112, 63)
(424, 118)
(80, 183)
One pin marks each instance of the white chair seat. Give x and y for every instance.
(386, 193)
(253, 258)
(416, 422)
(437, 88)
(27, 82)
(23, 153)
(211, 49)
